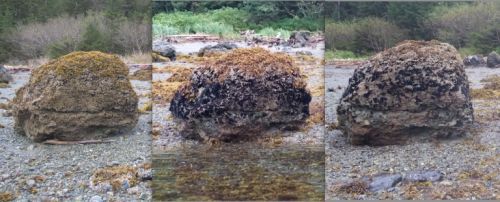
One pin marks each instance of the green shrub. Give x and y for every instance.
(376, 34)
(297, 23)
(486, 40)
(457, 24)
(466, 51)
(363, 36)
(93, 39)
(60, 48)
(340, 35)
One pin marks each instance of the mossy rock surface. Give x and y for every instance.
(241, 94)
(82, 95)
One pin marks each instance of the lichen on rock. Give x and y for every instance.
(82, 95)
(241, 94)
(416, 87)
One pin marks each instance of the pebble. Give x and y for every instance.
(31, 183)
(31, 147)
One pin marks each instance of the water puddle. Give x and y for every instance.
(245, 171)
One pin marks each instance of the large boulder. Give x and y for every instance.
(474, 60)
(240, 95)
(5, 76)
(493, 60)
(299, 38)
(417, 88)
(164, 50)
(82, 95)
(215, 49)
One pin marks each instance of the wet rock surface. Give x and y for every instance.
(5, 76)
(218, 48)
(493, 60)
(414, 88)
(474, 60)
(241, 95)
(83, 95)
(165, 50)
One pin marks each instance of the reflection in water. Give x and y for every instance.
(240, 172)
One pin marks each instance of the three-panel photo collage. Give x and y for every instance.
(137, 100)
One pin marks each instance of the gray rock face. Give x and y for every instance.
(218, 48)
(240, 95)
(82, 95)
(474, 60)
(165, 50)
(5, 76)
(414, 89)
(493, 60)
(423, 176)
(383, 182)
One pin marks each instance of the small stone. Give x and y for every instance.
(143, 196)
(383, 182)
(423, 176)
(31, 147)
(96, 199)
(31, 183)
(125, 184)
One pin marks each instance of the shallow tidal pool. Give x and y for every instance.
(242, 171)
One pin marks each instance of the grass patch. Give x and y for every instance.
(271, 32)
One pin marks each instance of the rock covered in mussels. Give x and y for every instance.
(241, 94)
(5, 76)
(474, 60)
(215, 49)
(164, 50)
(82, 95)
(416, 87)
(493, 60)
